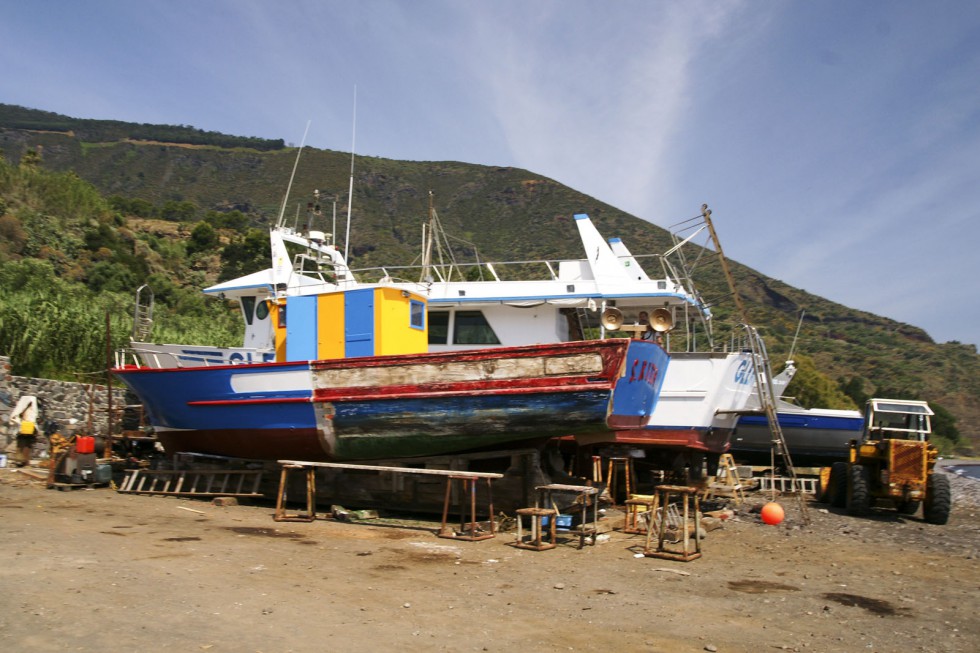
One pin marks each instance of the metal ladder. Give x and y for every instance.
(767, 400)
(193, 483)
(143, 314)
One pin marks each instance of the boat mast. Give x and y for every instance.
(796, 336)
(427, 243)
(706, 214)
(350, 190)
(282, 208)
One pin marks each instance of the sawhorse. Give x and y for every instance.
(471, 532)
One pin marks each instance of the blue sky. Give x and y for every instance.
(837, 142)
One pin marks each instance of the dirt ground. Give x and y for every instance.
(94, 570)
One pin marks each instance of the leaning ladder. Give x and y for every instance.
(767, 400)
(763, 373)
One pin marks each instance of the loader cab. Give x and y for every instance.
(897, 419)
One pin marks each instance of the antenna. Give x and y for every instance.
(350, 191)
(282, 208)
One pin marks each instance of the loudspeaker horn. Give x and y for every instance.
(612, 318)
(661, 320)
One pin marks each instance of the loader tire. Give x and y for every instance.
(837, 486)
(858, 493)
(935, 509)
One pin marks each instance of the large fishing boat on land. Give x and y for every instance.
(410, 361)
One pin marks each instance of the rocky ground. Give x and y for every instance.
(94, 570)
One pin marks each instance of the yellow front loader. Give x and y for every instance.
(894, 463)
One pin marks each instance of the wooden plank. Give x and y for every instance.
(399, 470)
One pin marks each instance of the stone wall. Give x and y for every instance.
(59, 401)
(7, 401)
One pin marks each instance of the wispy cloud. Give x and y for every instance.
(597, 97)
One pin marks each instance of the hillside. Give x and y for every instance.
(506, 213)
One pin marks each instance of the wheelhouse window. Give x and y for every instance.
(438, 327)
(417, 315)
(248, 308)
(471, 328)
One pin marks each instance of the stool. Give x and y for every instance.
(685, 555)
(469, 489)
(536, 543)
(633, 505)
(616, 464)
(310, 515)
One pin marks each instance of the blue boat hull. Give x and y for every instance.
(364, 409)
(813, 437)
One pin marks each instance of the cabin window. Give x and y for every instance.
(262, 311)
(471, 328)
(438, 327)
(248, 308)
(417, 315)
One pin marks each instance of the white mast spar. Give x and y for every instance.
(350, 190)
(282, 208)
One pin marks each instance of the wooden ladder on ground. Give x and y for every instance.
(726, 483)
(193, 483)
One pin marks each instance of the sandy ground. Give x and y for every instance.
(94, 570)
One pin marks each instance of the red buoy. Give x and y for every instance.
(772, 513)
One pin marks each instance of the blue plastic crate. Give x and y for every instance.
(562, 522)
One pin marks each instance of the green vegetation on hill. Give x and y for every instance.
(67, 260)
(181, 218)
(105, 131)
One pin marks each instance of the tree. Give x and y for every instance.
(854, 388)
(813, 389)
(233, 219)
(245, 256)
(203, 238)
(133, 206)
(944, 424)
(109, 276)
(178, 211)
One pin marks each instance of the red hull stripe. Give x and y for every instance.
(687, 438)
